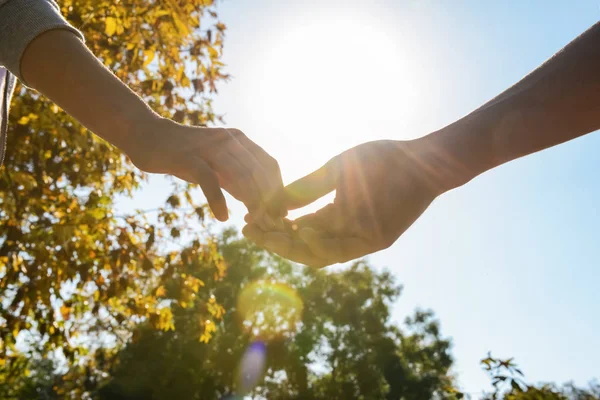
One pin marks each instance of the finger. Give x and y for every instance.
(195, 170)
(283, 245)
(263, 169)
(292, 249)
(280, 224)
(249, 176)
(329, 218)
(242, 185)
(254, 233)
(236, 179)
(311, 187)
(271, 173)
(335, 249)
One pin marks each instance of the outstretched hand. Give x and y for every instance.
(213, 158)
(382, 187)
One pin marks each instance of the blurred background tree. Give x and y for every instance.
(343, 344)
(74, 275)
(94, 304)
(509, 384)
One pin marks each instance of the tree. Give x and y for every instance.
(509, 384)
(342, 346)
(71, 270)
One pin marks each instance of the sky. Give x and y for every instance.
(510, 263)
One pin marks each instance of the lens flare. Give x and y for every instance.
(269, 309)
(252, 367)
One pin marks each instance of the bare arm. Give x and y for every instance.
(60, 66)
(557, 102)
(382, 187)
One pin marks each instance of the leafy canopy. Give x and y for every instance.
(73, 273)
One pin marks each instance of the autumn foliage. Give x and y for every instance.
(73, 273)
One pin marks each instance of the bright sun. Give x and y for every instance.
(321, 87)
(338, 82)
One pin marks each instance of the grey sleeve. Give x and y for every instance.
(21, 21)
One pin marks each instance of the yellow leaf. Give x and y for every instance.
(209, 328)
(65, 312)
(180, 72)
(213, 52)
(205, 338)
(111, 26)
(23, 121)
(181, 27)
(160, 291)
(148, 57)
(166, 320)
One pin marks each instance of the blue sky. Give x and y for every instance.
(510, 263)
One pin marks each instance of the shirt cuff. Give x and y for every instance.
(21, 21)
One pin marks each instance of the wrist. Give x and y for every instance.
(142, 138)
(133, 130)
(459, 152)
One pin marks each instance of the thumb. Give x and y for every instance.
(311, 187)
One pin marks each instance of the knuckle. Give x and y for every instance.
(223, 134)
(236, 132)
(387, 241)
(272, 163)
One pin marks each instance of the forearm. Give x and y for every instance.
(61, 67)
(557, 102)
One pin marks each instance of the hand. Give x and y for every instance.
(213, 158)
(59, 65)
(382, 188)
